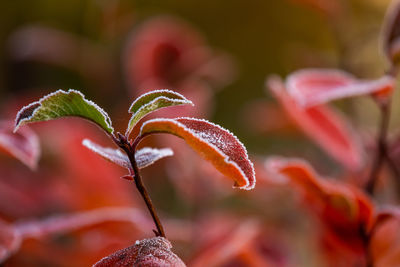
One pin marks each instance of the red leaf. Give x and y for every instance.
(152, 252)
(58, 224)
(323, 125)
(10, 241)
(311, 87)
(227, 245)
(166, 52)
(23, 145)
(214, 143)
(385, 238)
(345, 211)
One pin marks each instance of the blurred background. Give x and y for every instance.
(216, 53)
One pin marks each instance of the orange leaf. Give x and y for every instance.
(323, 125)
(214, 143)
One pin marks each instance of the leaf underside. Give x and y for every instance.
(63, 104)
(144, 156)
(153, 101)
(214, 143)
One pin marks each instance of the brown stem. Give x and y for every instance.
(130, 151)
(381, 147)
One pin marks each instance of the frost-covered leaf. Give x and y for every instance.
(23, 145)
(213, 142)
(10, 240)
(147, 156)
(391, 34)
(154, 252)
(111, 154)
(323, 125)
(144, 157)
(153, 101)
(311, 87)
(62, 104)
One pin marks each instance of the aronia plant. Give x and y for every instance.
(211, 141)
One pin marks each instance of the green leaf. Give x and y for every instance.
(63, 104)
(153, 101)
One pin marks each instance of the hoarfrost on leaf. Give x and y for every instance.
(153, 101)
(144, 157)
(63, 104)
(214, 143)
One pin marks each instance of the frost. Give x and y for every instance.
(214, 143)
(61, 104)
(144, 157)
(113, 155)
(147, 156)
(154, 251)
(153, 101)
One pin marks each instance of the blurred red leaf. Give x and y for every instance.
(227, 245)
(345, 212)
(152, 252)
(311, 87)
(23, 145)
(214, 143)
(323, 125)
(385, 238)
(144, 156)
(165, 52)
(10, 240)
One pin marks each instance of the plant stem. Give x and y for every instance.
(130, 150)
(381, 149)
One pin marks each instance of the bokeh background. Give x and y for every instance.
(218, 54)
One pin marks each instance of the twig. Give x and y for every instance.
(381, 150)
(130, 149)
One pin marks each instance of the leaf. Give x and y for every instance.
(144, 157)
(153, 101)
(391, 34)
(213, 142)
(10, 241)
(155, 252)
(23, 145)
(64, 223)
(147, 156)
(228, 243)
(344, 210)
(323, 125)
(62, 104)
(311, 87)
(384, 245)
